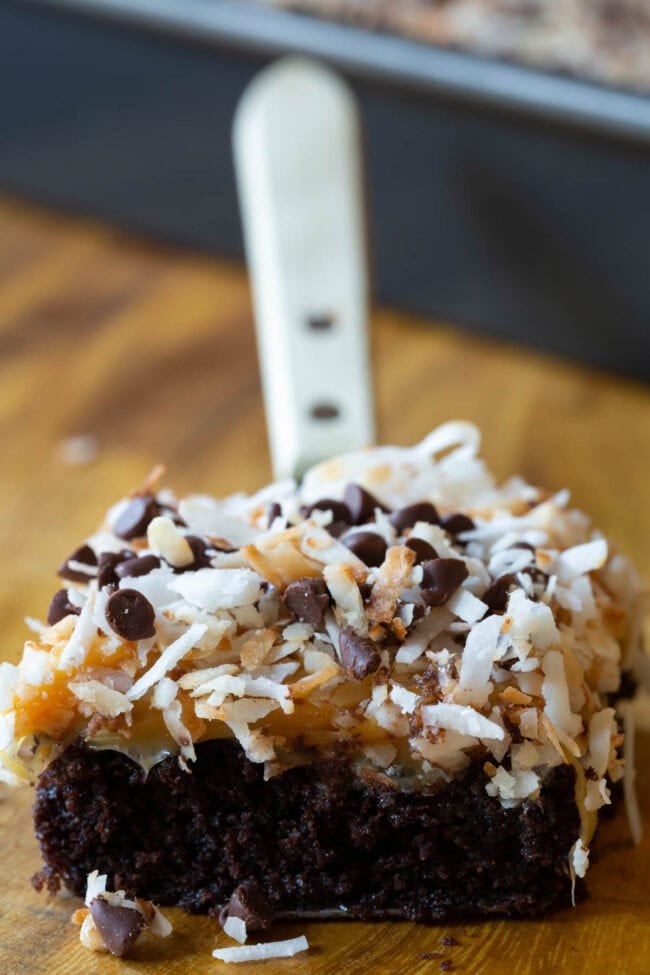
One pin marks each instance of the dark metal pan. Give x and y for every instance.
(505, 199)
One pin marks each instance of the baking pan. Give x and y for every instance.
(504, 199)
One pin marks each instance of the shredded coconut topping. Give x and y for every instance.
(498, 638)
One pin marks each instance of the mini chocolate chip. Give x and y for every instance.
(423, 551)
(536, 574)
(455, 524)
(130, 614)
(134, 520)
(441, 579)
(340, 511)
(367, 546)
(359, 654)
(85, 556)
(118, 926)
(307, 599)
(406, 517)
(140, 566)
(199, 550)
(273, 511)
(249, 903)
(361, 504)
(524, 545)
(496, 596)
(106, 564)
(60, 607)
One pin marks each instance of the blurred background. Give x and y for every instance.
(507, 154)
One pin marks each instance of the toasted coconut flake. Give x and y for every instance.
(235, 928)
(168, 659)
(83, 635)
(405, 700)
(205, 516)
(629, 782)
(531, 624)
(90, 937)
(422, 634)
(256, 647)
(555, 691)
(169, 543)
(173, 718)
(95, 885)
(392, 577)
(298, 631)
(579, 859)
(460, 718)
(448, 750)
(280, 565)
(597, 795)
(380, 754)
(580, 559)
(602, 729)
(528, 723)
(259, 952)
(213, 589)
(8, 682)
(466, 606)
(479, 655)
(105, 701)
(198, 680)
(345, 592)
(306, 685)
(512, 695)
(220, 688)
(513, 787)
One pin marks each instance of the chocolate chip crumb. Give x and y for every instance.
(496, 596)
(131, 615)
(359, 654)
(141, 566)
(449, 941)
(367, 546)
(307, 599)
(423, 551)
(84, 555)
(441, 579)
(407, 517)
(361, 504)
(118, 926)
(446, 966)
(134, 520)
(249, 903)
(60, 607)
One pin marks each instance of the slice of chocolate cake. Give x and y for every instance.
(383, 693)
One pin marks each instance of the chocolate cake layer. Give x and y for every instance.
(318, 837)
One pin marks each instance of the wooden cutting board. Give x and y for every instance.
(151, 352)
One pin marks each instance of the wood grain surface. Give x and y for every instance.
(151, 352)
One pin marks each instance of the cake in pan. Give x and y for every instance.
(599, 40)
(383, 693)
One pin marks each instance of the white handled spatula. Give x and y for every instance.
(298, 161)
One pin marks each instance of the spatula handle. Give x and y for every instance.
(297, 155)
